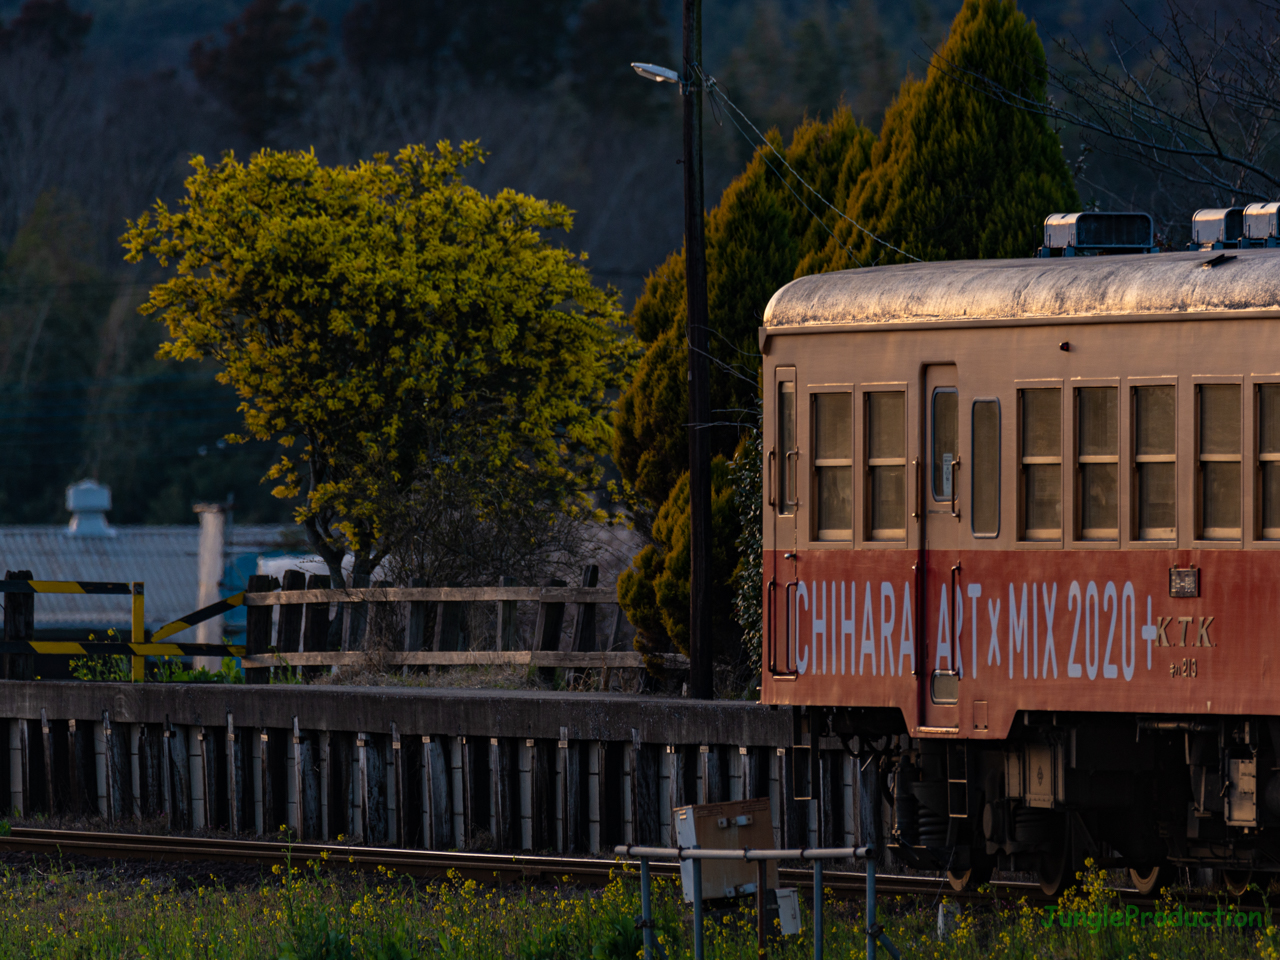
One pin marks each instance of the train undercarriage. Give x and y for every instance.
(1149, 794)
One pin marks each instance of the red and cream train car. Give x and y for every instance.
(1022, 553)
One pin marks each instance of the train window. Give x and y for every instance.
(833, 464)
(946, 441)
(984, 468)
(1098, 462)
(1219, 466)
(1041, 462)
(1269, 457)
(886, 466)
(1155, 467)
(787, 445)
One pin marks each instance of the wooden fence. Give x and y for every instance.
(302, 633)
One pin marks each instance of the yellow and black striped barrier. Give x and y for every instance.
(199, 616)
(152, 646)
(68, 586)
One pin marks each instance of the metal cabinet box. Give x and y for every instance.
(735, 825)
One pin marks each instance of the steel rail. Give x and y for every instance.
(502, 867)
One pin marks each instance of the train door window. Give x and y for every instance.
(1041, 463)
(946, 441)
(1269, 458)
(788, 453)
(1155, 462)
(886, 466)
(1098, 462)
(833, 464)
(984, 467)
(1219, 461)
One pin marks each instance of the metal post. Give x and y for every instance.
(700, 669)
(762, 929)
(646, 909)
(137, 632)
(697, 910)
(875, 932)
(817, 909)
(871, 907)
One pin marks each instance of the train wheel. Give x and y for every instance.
(1236, 881)
(1054, 872)
(978, 873)
(960, 881)
(974, 877)
(1148, 880)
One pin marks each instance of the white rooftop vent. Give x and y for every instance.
(1220, 226)
(88, 502)
(1260, 221)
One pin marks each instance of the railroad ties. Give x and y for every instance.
(424, 768)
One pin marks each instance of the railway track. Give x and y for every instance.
(488, 867)
(511, 868)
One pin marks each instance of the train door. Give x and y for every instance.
(783, 474)
(941, 502)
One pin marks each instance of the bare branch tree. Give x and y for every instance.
(1194, 98)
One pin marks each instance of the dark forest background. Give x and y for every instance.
(102, 103)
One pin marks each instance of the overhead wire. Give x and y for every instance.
(714, 90)
(726, 367)
(787, 184)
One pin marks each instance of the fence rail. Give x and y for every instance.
(470, 658)
(436, 594)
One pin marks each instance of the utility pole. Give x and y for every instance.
(695, 268)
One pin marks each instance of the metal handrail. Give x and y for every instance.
(747, 853)
(875, 933)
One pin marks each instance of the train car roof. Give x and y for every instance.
(1188, 285)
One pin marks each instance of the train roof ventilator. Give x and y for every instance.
(1236, 228)
(1093, 233)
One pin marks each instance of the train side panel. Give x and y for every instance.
(1012, 631)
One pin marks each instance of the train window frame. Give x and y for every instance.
(784, 507)
(841, 534)
(1099, 536)
(943, 495)
(869, 536)
(1258, 458)
(973, 462)
(1137, 460)
(1235, 535)
(1023, 460)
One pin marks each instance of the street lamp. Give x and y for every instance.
(695, 270)
(651, 71)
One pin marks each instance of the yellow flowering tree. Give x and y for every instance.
(398, 333)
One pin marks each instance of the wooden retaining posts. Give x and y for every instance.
(433, 768)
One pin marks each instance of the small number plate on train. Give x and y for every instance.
(1184, 583)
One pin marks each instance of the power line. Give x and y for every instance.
(713, 88)
(825, 227)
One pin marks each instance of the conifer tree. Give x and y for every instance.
(755, 238)
(655, 591)
(956, 175)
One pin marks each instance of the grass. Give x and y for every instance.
(322, 911)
